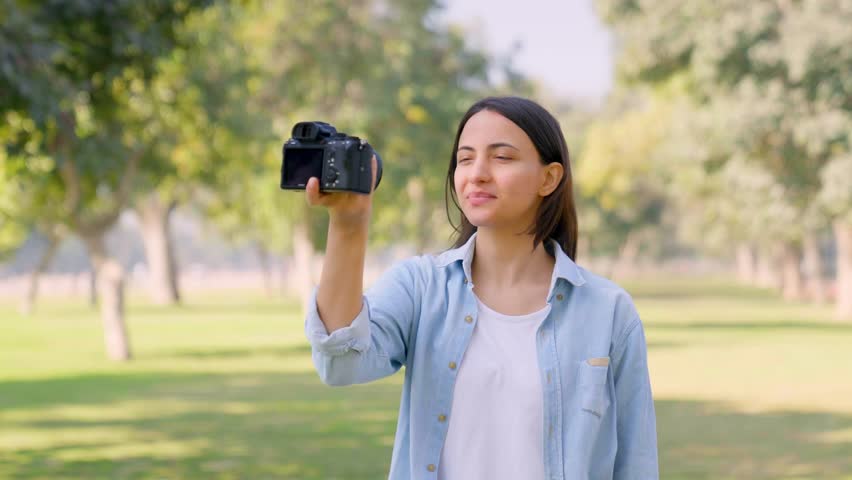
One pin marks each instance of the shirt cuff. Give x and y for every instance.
(354, 337)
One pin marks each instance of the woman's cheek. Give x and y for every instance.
(458, 184)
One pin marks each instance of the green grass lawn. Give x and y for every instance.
(746, 386)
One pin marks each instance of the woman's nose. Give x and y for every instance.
(479, 171)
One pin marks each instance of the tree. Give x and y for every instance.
(836, 198)
(376, 70)
(617, 171)
(69, 71)
(201, 120)
(780, 68)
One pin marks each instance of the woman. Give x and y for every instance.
(519, 363)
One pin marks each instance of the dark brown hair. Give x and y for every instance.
(556, 217)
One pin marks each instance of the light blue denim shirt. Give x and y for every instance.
(599, 420)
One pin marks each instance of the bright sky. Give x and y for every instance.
(563, 42)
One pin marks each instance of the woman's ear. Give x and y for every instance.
(552, 176)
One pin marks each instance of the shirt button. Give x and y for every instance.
(465, 281)
(431, 467)
(548, 377)
(559, 297)
(442, 418)
(468, 319)
(452, 365)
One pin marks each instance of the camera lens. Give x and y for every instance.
(378, 169)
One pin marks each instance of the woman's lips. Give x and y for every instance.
(477, 199)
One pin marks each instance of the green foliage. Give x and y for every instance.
(376, 70)
(765, 87)
(56, 51)
(836, 194)
(193, 102)
(71, 77)
(620, 182)
(30, 196)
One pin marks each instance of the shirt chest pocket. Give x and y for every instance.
(592, 390)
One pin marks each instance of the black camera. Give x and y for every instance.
(340, 162)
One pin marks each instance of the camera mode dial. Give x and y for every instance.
(331, 175)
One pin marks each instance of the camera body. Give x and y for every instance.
(342, 163)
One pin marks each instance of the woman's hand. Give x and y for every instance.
(344, 208)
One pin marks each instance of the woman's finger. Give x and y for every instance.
(312, 194)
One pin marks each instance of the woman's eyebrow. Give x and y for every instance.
(501, 144)
(490, 147)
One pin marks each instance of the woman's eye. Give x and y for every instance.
(463, 160)
(500, 157)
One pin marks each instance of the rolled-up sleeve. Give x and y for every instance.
(375, 345)
(636, 457)
(354, 337)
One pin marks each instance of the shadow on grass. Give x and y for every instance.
(699, 440)
(250, 425)
(752, 326)
(663, 344)
(277, 307)
(262, 425)
(90, 389)
(283, 352)
(685, 289)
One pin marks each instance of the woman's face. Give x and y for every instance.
(499, 178)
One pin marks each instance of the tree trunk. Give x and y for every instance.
(584, 247)
(110, 287)
(28, 302)
(843, 237)
(93, 287)
(284, 276)
(263, 259)
(303, 257)
(627, 255)
(416, 190)
(815, 286)
(746, 269)
(767, 270)
(792, 285)
(154, 215)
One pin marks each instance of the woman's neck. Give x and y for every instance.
(508, 260)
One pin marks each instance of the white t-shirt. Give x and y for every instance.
(496, 421)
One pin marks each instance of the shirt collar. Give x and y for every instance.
(564, 267)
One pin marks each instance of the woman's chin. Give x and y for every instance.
(480, 221)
